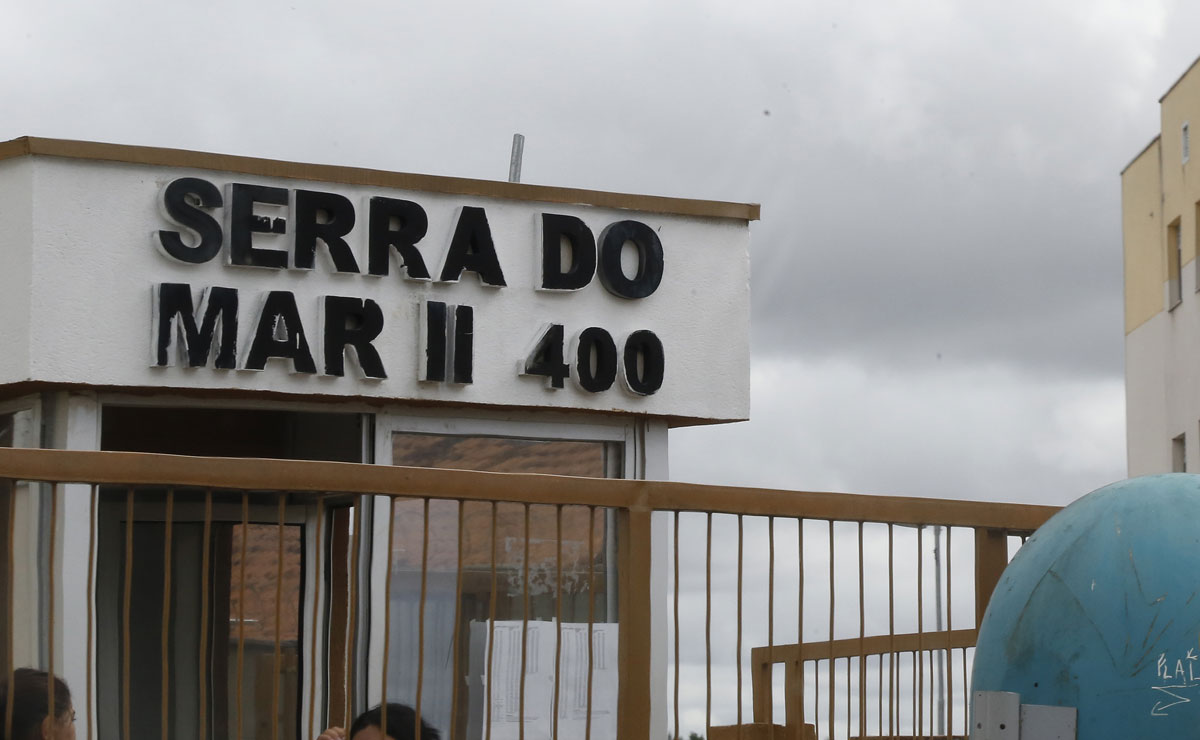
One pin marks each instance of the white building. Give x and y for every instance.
(1161, 223)
(178, 302)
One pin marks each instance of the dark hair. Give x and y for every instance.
(31, 703)
(401, 721)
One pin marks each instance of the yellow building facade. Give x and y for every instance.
(1160, 212)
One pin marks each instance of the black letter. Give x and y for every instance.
(280, 334)
(650, 259)
(472, 249)
(351, 322)
(434, 329)
(340, 214)
(644, 362)
(464, 343)
(579, 237)
(175, 299)
(178, 209)
(243, 223)
(380, 235)
(595, 360)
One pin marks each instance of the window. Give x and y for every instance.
(7, 423)
(1179, 454)
(223, 588)
(1184, 143)
(1174, 255)
(573, 579)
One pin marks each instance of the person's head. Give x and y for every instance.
(31, 718)
(400, 724)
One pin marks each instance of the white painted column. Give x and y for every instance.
(656, 468)
(77, 427)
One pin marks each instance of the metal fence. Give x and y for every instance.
(217, 598)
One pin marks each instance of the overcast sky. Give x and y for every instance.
(937, 271)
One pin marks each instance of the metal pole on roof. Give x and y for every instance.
(514, 163)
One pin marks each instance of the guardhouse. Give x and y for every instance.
(165, 301)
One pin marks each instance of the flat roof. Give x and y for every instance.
(162, 157)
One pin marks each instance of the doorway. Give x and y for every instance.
(201, 595)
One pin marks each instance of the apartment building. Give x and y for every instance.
(1160, 211)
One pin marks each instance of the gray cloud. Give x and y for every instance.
(938, 179)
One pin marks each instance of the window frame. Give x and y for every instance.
(632, 436)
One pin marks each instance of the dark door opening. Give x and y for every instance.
(290, 435)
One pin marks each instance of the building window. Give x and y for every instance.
(225, 604)
(1174, 257)
(482, 586)
(1179, 454)
(1185, 144)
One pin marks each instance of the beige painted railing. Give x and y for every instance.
(657, 602)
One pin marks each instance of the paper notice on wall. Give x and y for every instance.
(539, 710)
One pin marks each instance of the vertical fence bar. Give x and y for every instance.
(50, 601)
(421, 618)
(675, 610)
(166, 613)
(816, 695)
(862, 632)
(849, 700)
(319, 562)
(801, 720)
(991, 558)
(91, 611)
(127, 614)
(920, 629)
(557, 613)
(634, 648)
(587, 728)
(741, 727)
(458, 587)
(352, 628)
(708, 628)
(278, 655)
(387, 618)
(770, 683)
(491, 642)
(832, 677)
(205, 556)
(966, 693)
(893, 675)
(916, 699)
(949, 628)
(879, 696)
(10, 591)
(241, 606)
(524, 626)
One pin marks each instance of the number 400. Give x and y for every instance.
(596, 360)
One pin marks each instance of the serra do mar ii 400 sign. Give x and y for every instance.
(206, 329)
(242, 275)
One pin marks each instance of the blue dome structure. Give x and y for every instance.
(1100, 610)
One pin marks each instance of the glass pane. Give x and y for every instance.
(505, 454)
(240, 618)
(6, 429)
(587, 588)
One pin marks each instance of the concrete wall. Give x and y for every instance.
(16, 238)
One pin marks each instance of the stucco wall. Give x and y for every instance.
(94, 267)
(16, 225)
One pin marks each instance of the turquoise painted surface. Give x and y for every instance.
(1100, 610)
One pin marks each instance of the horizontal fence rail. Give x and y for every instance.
(271, 598)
